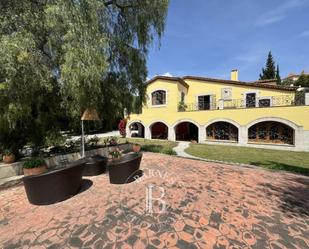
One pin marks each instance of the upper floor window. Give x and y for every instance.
(158, 97)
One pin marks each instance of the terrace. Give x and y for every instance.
(206, 205)
(254, 102)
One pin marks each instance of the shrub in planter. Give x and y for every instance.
(8, 157)
(182, 106)
(34, 166)
(115, 154)
(136, 148)
(113, 141)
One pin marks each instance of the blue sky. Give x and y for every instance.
(211, 37)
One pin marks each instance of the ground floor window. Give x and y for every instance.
(222, 131)
(271, 132)
(186, 131)
(159, 131)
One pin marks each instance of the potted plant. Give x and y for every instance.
(8, 156)
(182, 106)
(34, 166)
(136, 148)
(115, 154)
(113, 141)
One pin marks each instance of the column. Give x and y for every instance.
(243, 135)
(201, 134)
(171, 133)
(147, 132)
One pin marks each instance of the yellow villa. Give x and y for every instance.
(214, 111)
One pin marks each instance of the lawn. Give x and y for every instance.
(157, 146)
(271, 159)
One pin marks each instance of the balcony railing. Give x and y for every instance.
(261, 102)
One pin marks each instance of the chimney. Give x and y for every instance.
(234, 75)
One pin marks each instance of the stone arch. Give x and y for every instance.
(186, 130)
(138, 130)
(275, 119)
(227, 120)
(222, 130)
(159, 129)
(272, 131)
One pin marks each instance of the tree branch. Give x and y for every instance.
(119, 6)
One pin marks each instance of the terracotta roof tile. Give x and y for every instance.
(222, 81)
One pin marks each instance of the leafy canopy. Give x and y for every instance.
(303, 80)
(58, 58)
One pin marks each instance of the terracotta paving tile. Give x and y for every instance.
(194, 204)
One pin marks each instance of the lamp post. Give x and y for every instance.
(90, 115)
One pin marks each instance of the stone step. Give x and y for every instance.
(10, 181)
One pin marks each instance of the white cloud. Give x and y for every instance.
(269, 20)
(279, 13)
(253, 55)
(304, 34)
(168, 74)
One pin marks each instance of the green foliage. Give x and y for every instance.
(93, 142)
(34, 163)
(303, 80)
(273, 159)
(182, 106)
(158, 149)
(269, 72)
(115, 153)
(278, 77)
(54, 139)
(58, 58)
(113, 141)
(8, 152)
(287, 82)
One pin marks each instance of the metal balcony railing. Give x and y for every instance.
(261, 102)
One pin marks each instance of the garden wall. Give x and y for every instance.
(56, 162)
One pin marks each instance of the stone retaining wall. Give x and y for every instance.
(55, 162)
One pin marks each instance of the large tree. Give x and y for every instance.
(303, 80)
(67, 55)
(269, 72)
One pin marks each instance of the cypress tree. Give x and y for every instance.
(278, 76)
(269, 72)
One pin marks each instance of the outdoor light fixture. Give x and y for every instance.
(89, 115)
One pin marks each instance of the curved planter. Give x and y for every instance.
(95, 165)
(54, 186)
(124, 170)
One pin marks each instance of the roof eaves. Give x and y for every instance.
(177, 79)
(241, 83)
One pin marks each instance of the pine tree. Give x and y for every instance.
(279, 82)
(269, 72)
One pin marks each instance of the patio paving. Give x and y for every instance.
(195, 205)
